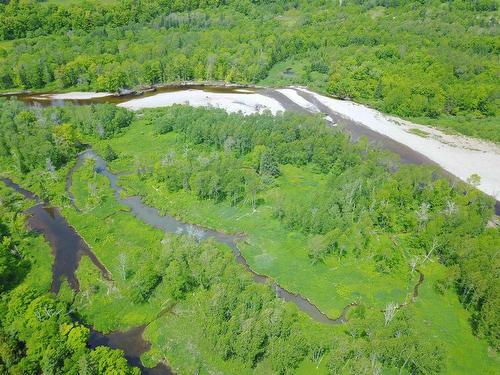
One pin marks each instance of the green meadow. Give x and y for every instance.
(273, 250)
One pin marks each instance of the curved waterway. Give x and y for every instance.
(170, 224)
(133, 345)
(67, 246)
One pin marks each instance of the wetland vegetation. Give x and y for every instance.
(188, 240)
(333, 221)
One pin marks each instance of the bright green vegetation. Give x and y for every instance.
(430, 61)
(334, 221)
(203, 310)
(331, 275)
(37, 334)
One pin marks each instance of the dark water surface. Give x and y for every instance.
(170, 224)
(37, 99)
(68, 248)
(133, 345)
(356, 130)
(67, 245)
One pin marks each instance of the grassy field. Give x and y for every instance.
(177, 336)
(273, 250)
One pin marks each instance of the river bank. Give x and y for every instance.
(458, 155)
(68, 248)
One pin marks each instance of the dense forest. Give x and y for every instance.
(432, 61)
(365, 207)
(37, 332)
(208, 242)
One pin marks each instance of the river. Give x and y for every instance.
(457, 156)
(68, 248)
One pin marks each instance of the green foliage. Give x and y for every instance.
(360, 204)
(104, 360)
(103, 121)
(110, 154)
(36, 331)
(368, 206)
(431, 60)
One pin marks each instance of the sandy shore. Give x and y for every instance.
(460, 155)
(299, 100)
(76, 95)
(231, 102)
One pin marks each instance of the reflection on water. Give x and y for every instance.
(133, 344)
(167, 223)
(40, 99)
(67, 246)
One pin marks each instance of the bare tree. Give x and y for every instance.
(122, 261)
(423, 213)
(451, 208)
(390, 312)
(413, 263)
(195, 233)
(434, 246)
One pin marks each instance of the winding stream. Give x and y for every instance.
(169, 224)
(67, 246)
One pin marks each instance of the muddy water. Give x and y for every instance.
(355, 129)
(67, 246)
(167, 223)
(132, 343)
(39, 99)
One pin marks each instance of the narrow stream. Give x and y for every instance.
(167, 223)
(133, 345)
(68, 248)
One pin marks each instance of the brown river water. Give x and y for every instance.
(68, 247)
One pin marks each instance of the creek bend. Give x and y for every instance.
(67, 245)
(68, 248)
(169, 224)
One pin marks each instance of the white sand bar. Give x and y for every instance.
(231, 102)
(299, 100)
(76, 95)
(460, 155)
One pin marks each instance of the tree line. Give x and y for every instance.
(425, 59)
(369, 205)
